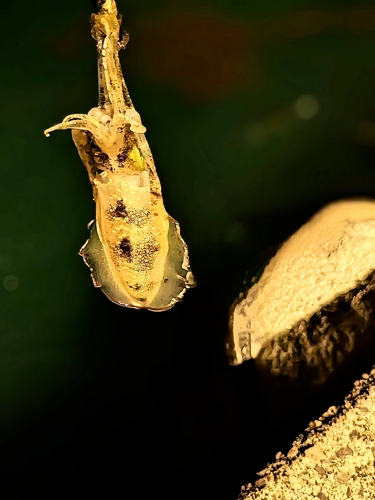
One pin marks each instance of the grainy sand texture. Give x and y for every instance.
(334, 459)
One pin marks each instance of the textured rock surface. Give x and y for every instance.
(334, 458)
(313, 298)
(316, 348)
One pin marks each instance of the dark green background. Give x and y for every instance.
(86, 385)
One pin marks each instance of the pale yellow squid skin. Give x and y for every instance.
(135, 251)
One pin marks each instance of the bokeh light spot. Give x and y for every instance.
(11, 283)
(306, 107)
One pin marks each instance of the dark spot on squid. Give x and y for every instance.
(100, 158)
(127, 99)
(121, 158)
(136, 287)
(123, 154)
(101, 96)
(120, 210)
(125, 249)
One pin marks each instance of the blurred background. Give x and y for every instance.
(258, 113)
